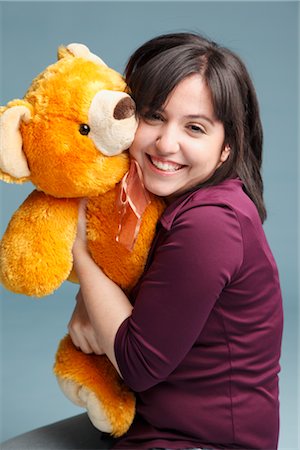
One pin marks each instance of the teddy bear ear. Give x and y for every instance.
(13, 162)
(81, 51)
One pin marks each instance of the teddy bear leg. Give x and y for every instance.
(85, 398)
(91, 381)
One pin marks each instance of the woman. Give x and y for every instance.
(199, 340)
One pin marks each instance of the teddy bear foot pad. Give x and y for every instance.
(92, 382)
(85, 398)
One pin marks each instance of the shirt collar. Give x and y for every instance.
(172, 210)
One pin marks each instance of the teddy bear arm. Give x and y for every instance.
(36, 249)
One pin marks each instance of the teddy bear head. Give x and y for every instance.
(70, 132)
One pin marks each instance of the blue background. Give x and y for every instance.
(266, 35)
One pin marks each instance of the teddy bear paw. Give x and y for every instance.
(84, 397)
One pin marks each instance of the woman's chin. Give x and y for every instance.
(160, 191)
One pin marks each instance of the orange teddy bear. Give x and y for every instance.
(69, 137)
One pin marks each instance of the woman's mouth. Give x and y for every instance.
(164, 166)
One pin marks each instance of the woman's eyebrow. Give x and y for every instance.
(199, 116)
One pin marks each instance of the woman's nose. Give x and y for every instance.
(167, 141)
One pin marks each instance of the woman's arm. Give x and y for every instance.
(191, 266)
(192, 263)
(106, 304)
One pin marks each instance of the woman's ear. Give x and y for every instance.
(225, 153)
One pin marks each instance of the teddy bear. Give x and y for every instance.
(69, 136)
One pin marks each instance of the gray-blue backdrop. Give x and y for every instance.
(265, 34)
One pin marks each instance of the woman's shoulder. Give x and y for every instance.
(228, 194)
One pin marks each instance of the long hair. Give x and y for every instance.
(157, 67)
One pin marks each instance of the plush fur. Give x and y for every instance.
(45, 140)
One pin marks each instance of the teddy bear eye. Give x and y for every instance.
(84, 129)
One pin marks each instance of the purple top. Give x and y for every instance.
(202, 346)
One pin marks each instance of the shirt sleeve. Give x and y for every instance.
(196, 260)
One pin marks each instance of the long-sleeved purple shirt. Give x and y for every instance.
(202, 346)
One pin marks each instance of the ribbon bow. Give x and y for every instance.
(132, 201)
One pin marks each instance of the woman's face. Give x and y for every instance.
(182, 144)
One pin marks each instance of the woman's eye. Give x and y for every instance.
(196, 129)
(156, 116)
(153, 116)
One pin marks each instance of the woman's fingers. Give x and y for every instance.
(81, 330)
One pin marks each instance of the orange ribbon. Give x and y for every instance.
(132, 201)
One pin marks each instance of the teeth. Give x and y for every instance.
(165, 166)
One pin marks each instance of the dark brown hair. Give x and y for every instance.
(160, 64)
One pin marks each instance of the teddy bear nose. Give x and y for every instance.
(124, 109)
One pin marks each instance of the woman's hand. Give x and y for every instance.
(81, 330)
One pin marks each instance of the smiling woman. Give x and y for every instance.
(206, 323)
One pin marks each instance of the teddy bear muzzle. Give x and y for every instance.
(112, 122)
